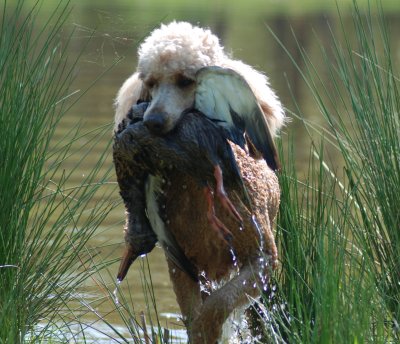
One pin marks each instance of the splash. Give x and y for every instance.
(205, 284)
(115, 292)
(259, 232)
(262, 272)
(234, 259)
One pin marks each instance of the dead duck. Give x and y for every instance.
(178, 208)
(224, 109)
(147, 159)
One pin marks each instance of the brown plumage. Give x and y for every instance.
(166, 76)
(182, 159)
(197, 148)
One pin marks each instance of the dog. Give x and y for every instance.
(166, 77)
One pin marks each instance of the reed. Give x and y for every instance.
(45, 221)
(338, 228)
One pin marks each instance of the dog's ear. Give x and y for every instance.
(131, 91)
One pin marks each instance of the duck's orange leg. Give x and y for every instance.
(216, 224)
(222, 196)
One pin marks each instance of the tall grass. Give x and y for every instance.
(45, 221)
(142, 325)
(339, 228)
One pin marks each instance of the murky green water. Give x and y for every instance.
(119, 25)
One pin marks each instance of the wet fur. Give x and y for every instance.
(170, 55)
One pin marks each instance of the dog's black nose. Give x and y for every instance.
(155, 123)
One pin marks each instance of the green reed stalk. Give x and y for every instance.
(323, 291)
(124, 307)
(44, 222)
(339, 235)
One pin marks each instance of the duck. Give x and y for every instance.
(225, 112)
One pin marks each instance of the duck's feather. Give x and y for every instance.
(164, 235)
(225, 97)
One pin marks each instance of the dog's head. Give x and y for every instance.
(168, 61)
(170, 95)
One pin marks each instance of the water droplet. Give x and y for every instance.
(142, 255)
(173, 271)
(259, 232)
(234, 259)
(244, 282)
(115, 292)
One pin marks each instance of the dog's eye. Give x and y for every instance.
(183, 81)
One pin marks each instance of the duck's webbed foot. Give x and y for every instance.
(216, 224)
(222, 196)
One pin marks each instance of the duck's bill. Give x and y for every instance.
(128, 258)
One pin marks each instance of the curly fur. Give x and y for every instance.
(180, 47)
(179, 50)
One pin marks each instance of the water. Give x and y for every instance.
(115, 292)
(259, 232)
(234, 260)
(241, 27)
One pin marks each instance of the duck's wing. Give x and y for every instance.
(225, 97)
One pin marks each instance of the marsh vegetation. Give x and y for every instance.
(61, 218)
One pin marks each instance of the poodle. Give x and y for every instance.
(168, 61)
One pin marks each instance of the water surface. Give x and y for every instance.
(119, 26)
